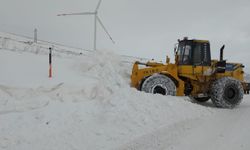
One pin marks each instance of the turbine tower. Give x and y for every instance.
(97, 19)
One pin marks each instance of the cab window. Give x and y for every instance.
(184, 53)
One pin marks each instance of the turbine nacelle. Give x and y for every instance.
(82, 13)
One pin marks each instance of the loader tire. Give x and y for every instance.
(227, 92)
(200, 99)
(159, 84)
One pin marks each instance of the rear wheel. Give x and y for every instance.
(227, 92)
(159, 84)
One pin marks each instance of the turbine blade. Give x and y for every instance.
(81, 13)
(99, 20)
(98, 5)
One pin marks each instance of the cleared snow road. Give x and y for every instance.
(225, 129)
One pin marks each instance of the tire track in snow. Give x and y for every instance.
(15, 100)
(163, 138)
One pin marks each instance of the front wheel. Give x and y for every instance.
(159, 84)
(227, 92)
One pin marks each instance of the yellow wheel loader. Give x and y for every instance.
(193, 74)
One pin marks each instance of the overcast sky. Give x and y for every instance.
(146, 28)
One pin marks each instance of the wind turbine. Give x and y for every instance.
(97, 19)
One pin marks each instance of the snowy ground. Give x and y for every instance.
(89, 105)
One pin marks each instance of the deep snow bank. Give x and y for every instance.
(88, 104)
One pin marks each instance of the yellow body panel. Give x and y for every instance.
(200, 77)
(138, 75)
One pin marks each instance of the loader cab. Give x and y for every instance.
(193, 53)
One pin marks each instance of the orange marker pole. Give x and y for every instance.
(50, 62)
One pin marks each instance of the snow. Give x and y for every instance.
(89, 104)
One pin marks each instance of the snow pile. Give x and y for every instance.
(88, 104)
(108, 69)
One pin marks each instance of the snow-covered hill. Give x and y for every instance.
(89, 105)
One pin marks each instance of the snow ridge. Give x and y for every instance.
(88, 104)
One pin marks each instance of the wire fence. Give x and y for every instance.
(21, 43)
(28, 38)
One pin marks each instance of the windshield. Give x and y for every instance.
(193, 53)
(184, 53)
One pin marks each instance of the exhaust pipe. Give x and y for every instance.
(221, 65)
(221, 52)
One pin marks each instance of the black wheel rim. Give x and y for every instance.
(231, 94)
(159, 90)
